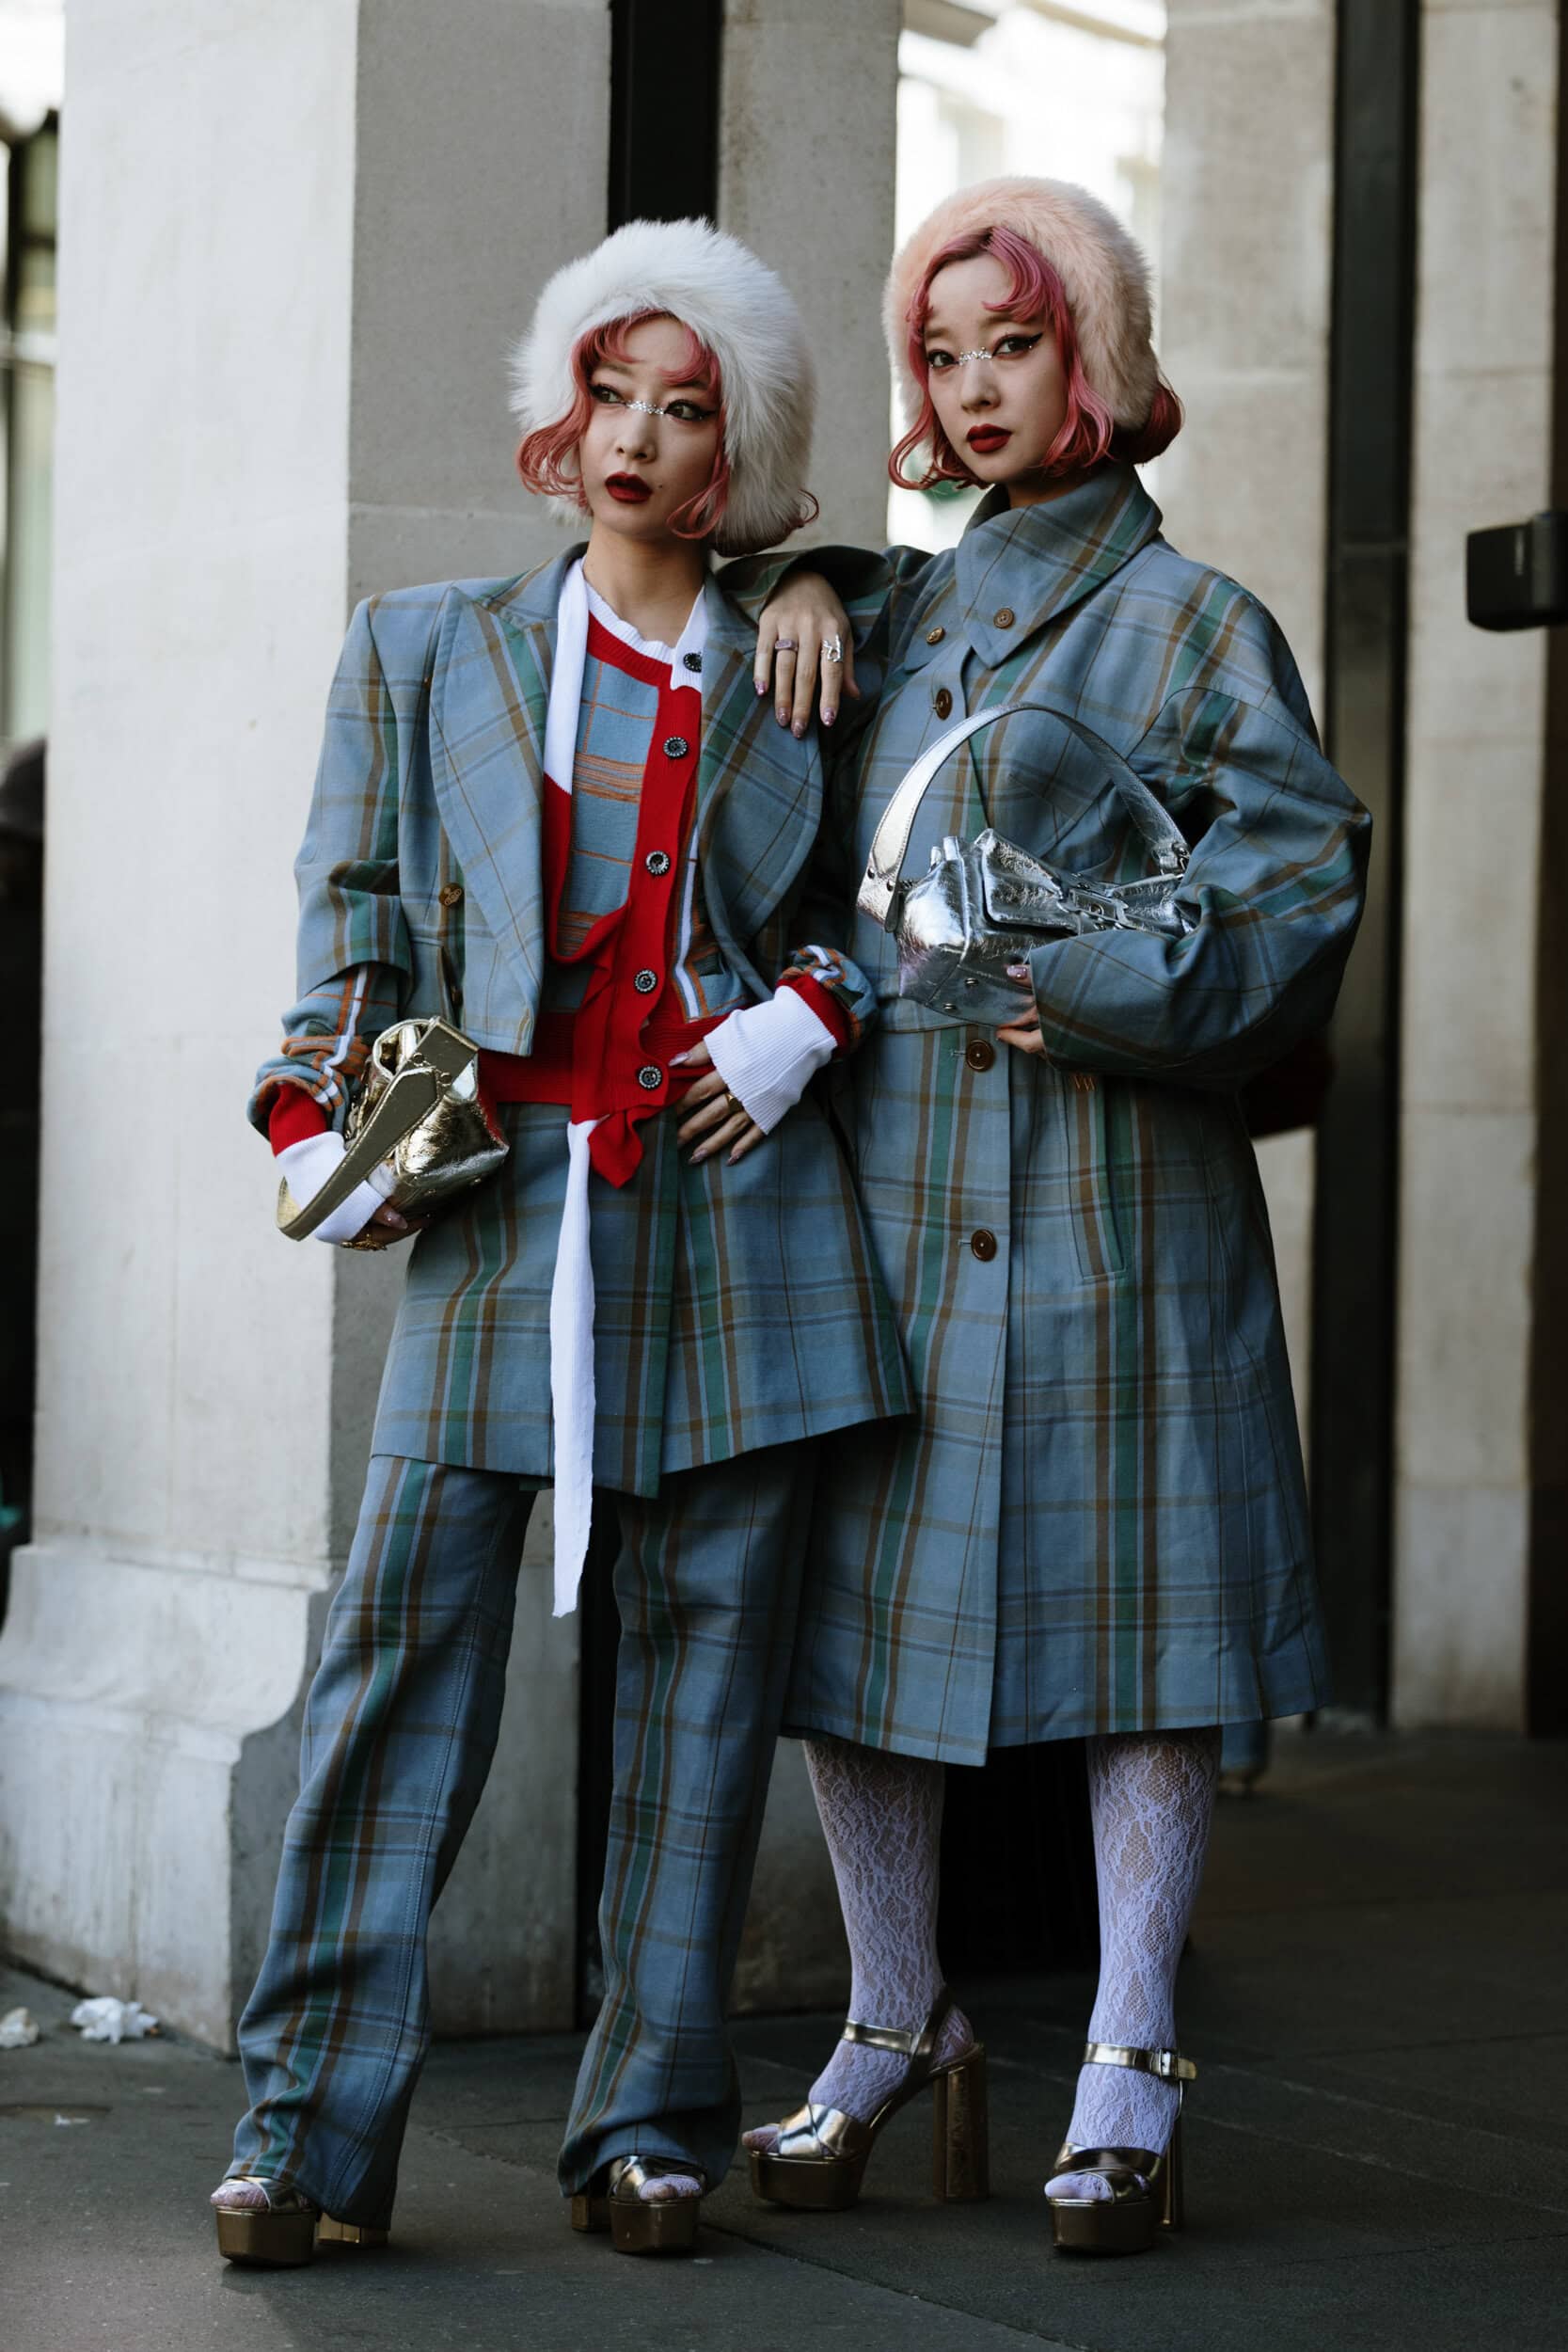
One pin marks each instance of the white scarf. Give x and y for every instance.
(572, 1398)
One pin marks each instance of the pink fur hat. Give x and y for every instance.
(1102, 268)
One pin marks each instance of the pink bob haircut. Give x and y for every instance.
(1088, 433)
(547, 457)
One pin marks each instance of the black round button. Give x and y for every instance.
(692, 662)
(676, 747)
(650, 1078)
(979, 1052)
(645, 984)
(658, 860)
(941, 701)
(1004, 616)
(983, 1241)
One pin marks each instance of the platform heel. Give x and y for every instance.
(817, 2163)
(284, 2233)
(960, 2132)
(1148, 2190)
(638, 2224)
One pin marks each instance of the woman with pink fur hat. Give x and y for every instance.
(1094, 1526)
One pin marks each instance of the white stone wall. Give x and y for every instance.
(297, 235)
(807, 176)
(1467, 1202)
(1246, 203)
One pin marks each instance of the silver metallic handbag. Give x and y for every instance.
(985, 903)
(419, 1107)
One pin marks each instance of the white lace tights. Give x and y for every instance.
(881, 1816)
(1152, 1801)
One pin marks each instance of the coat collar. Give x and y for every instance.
(1038, 562)
(489, 698)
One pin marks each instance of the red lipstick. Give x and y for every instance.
(984, 439)
(629, 488)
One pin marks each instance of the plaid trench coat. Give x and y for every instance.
(1097, 1521)
(738, 1308)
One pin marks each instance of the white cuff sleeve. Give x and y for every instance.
(307, 1165)
(769, 1053)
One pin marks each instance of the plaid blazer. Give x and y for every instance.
(736, 1307)
(1097, 1520)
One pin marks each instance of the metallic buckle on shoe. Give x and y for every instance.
(1169, 2066)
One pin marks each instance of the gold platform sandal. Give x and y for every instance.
(283, 2234)
(819, 2161)
(638, 2224)
(1146, 2188)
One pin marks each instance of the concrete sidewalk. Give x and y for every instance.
(1378, 2149)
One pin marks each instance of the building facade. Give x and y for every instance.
(295, 241)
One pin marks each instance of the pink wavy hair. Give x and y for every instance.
(544, 455)
(1088, 432)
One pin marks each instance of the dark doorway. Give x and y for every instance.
(1369, 555)
(1017, 1879)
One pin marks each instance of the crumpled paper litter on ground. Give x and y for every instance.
(18, 2030)
(108, 2020)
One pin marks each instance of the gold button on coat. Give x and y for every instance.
(450, 894)
(1004, 616)
(935, 636)
(979, 1052)
(941, 701)
(983, 1241)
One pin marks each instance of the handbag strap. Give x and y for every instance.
(443, 1055)
(879, 891)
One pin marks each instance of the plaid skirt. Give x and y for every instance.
(1096, 1520)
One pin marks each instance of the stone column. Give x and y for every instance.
(806, 157)
(1246, 193)
(1473, 1108)
(297, 238)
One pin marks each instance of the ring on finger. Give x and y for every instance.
(832, 648)
(785, 644)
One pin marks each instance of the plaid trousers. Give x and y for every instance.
(400, 1729)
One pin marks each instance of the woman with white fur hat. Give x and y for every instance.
(1094, 1526)
(552, 810)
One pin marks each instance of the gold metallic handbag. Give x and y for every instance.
(419, 1107)
(986, 903)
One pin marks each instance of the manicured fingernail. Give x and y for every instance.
(677, 1058)
(782, 717)
(827, 718)
(797, 730)
(762, 686)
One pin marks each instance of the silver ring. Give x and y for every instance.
(785, 644)
(832, 648)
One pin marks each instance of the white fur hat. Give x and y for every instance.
(745, 315)
(1101, 269)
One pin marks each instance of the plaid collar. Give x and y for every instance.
(1034, 563)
